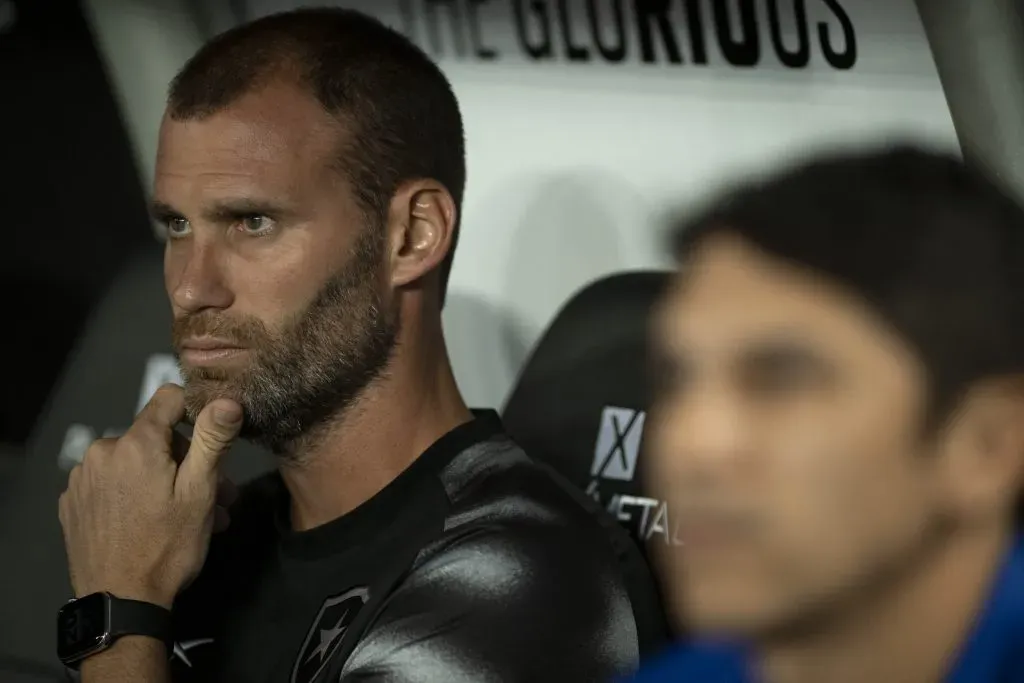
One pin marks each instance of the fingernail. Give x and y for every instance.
(227, 415)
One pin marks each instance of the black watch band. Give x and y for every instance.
(91, 624)
(137, 618)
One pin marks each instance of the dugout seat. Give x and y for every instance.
(580, 403)
(581, 399)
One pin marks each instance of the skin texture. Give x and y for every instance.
(132, 484)
(818, 518)
(269, 253)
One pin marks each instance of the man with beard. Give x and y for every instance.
(839, 424)
(309, 175)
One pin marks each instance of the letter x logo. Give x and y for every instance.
(618, 443)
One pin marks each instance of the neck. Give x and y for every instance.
(909, 633)
(413, 404)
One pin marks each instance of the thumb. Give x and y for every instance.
(216, 428)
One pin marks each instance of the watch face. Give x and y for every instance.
(82, 627)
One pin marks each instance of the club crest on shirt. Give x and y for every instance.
(325, 635)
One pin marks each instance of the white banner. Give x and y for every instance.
(587, 120)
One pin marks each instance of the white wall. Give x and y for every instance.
(144, 43)
(573, 166)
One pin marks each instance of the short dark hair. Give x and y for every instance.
(934, 245)
(403, 118)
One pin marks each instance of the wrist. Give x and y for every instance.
(131, 591)
(93, 623)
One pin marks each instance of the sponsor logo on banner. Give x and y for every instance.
(161, 368)
(815, 33)
(616, 454)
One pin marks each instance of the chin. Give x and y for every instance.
(199, 392)
(728, 622)
(725, 611)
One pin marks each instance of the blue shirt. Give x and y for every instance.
(993, 653)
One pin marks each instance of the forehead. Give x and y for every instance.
(276, 135)
(730, 294)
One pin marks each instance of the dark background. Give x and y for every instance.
(72, 206)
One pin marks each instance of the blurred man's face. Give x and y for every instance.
(276, 280)
(787, 436)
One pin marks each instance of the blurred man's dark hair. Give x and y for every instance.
(934, 245)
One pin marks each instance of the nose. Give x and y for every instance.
(194, 276)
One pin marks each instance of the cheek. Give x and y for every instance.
(275, 286)
(174, 266)
(845, 488)
(663, 453)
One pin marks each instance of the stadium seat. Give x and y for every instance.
(581, 399)
(579, 406)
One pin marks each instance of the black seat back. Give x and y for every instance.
(580, 402)
(581, 399)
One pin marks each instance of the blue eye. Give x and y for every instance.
(256, 224)
(177, 227)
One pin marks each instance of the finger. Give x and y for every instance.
(62, 507)
(97, 451)
(221, 520)
(74, 476)
(165, 409)
(179, 446)
(227, 492)
(216, 428)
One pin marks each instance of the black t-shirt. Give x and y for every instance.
(475, 564)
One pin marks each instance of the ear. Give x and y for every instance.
(421, 230)
(983, 452)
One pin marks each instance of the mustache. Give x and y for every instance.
(246, 332)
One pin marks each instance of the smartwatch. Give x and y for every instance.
(92, 623)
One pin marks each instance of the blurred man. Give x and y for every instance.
(309, 175)
(839, 423)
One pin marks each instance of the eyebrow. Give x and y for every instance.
(225, 210)
(162, 212)
(781, 343)
(785, 349)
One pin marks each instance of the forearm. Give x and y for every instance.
(132, 659)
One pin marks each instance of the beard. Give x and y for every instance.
(309, 371)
